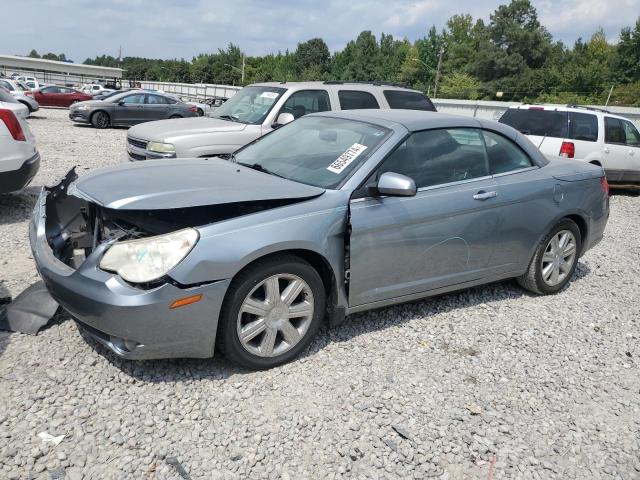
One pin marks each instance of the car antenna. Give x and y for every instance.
(543, 138)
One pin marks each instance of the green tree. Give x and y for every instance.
(627, 62)
(459, 85)
(33, 54)
(313, 55)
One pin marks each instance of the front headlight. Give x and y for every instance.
(83, 107)
(148, 259)
(159, 147)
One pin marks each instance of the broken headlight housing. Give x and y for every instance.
(148, 259)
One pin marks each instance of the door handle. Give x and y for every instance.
(606, 150)
(482, 195)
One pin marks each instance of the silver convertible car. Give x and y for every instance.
(335, 213)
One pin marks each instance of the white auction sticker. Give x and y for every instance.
(269, 94)
(346, 158)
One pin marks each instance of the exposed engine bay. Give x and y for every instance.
(75, 226)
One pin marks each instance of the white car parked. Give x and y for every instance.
(8, 101)
(93, 88)
(31, 82)
(587, 134)
(19, 157)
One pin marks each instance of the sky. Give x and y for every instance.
(185, 28)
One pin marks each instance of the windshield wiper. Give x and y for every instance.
(228, 117)
(258, 167)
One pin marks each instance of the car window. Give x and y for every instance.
(156, 100)
(356, 100)
(583, 126)
(631, 134)
(306, 101)
(135, 99)
(408, 100)
(31, 84)
(66, 90)
(537, 121)
(320, 151)
(436, 157)
(613, 131)
(6, 85)
(52, 89)
(504, 155)
(250, 105)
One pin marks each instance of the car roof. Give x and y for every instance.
(332, 84)
(567, 108)
(412, 120)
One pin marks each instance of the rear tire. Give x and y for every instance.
(554, 262)
(200, 112)
(100, 120)
(276, 306)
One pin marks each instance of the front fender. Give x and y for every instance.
(317, 225)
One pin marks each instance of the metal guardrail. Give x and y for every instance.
(193, 91)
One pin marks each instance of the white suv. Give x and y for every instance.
(256, 110)
(19, 158)
(584, 133)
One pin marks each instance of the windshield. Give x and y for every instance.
(318, 151)
(249, 105)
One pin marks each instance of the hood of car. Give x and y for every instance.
(173, 129)
(172, 184)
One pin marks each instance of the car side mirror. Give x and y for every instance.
(283, 119)
(121, 103)
(393, 184)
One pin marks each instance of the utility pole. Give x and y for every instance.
(435, 87)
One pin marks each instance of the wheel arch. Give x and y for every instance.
(578, 218)
(26, 104)
(322, 265)
(596, 162)
(101, 110)
(583, 226)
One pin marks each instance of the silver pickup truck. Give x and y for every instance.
(256, 110)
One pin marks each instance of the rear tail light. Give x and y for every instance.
(193, 109)
(604, 184)
(568, 149)
(13, 125)
(29, 93)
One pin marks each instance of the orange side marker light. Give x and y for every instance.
(183, 302)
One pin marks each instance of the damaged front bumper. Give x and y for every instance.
(133, 322)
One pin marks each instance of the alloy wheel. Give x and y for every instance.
(275, 315)
(558, 258)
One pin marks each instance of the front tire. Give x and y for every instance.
(272, 311)
(100, 120)
(555, 260)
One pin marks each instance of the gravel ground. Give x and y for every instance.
(486, 383)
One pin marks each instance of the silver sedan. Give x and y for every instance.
(332, 214)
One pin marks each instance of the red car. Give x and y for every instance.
(54, 96)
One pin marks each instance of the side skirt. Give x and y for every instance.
(432, 293)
